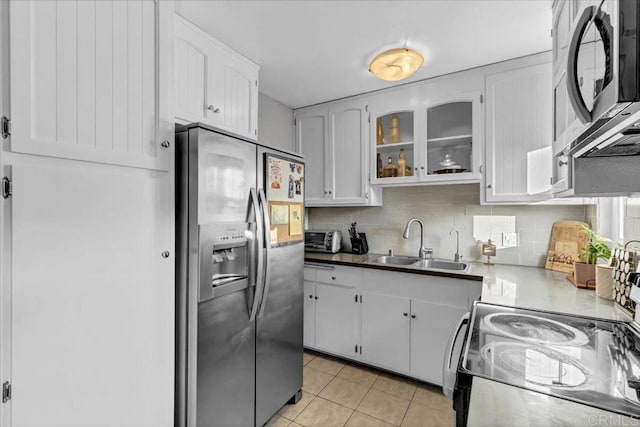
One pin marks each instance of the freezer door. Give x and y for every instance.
(226, 169)
(226, 353)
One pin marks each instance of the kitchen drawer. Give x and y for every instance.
(340, 275)
(310, 273)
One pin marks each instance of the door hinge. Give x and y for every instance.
(6, 127)
(366, 107)
(369, 118)
(481, 98)
(7, 187)
(6, 392)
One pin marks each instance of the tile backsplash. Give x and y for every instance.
(443, 208)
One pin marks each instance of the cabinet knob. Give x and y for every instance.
(489, 186)
(165, 254)
(405, 314)
(165, 144)
(310, 296)
(213, 109)
(333, 277)
(329, 191)
(413, 316)
(562, 163)
(316, 296)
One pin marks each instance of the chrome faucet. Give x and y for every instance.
(423, 252)
(457, 256)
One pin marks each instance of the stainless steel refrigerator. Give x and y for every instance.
(239, 279)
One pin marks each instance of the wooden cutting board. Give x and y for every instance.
(566, 244)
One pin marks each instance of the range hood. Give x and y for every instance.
(617, 136)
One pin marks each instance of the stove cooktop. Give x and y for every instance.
(591, 361)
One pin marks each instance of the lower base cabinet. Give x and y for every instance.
(396, 321)
(336, 319)
(431, 326)
(385, 331)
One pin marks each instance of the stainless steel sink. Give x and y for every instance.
(395, 260)
(426, 264)
(441, 264)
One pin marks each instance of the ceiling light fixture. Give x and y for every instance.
(396, 64)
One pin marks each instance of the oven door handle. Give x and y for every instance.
(449, 373)
(573, 86)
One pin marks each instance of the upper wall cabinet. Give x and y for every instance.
(436, 142)
(333, 139)
(85, 83)
(214, 84)
(518, 135)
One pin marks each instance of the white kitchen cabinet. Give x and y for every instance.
(332, 310)
(333, 139)
(312, 129)
(309, 332)
(214, 84)
(385, 331)
(518, 135)
(431, 325)
(336, 319)
(87, 234)
(415, 344)
(84, 82)
(440, 140)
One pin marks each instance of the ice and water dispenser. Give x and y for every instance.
(224, 258)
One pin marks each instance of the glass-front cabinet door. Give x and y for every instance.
(395, 150)
(449, 138)
(436, 142)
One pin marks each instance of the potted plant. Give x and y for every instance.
(584, 271)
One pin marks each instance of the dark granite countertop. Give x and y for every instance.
(354, 260)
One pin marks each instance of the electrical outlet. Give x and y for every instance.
(509, 240)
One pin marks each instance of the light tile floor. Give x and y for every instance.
(337, 393)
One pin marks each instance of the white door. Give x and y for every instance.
(431, 326)
(519, 135)
(240, 108)
(336, 318)
(312, 130)
(385, 331)
(348, 151)
(192, 63)
(84, 81)
(92, 307)
(309, 337)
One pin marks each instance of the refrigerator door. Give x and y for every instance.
(215, 279)
(226, 353)
(279, 325)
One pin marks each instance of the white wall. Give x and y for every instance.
(275, 124)
(442, 208)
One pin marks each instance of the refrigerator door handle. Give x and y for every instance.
(267, 245)
(259, 287)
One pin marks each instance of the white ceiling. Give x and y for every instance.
(315, 51)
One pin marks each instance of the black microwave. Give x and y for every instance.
(603, 79)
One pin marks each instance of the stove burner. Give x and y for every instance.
(535, 329)
(535, 364)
